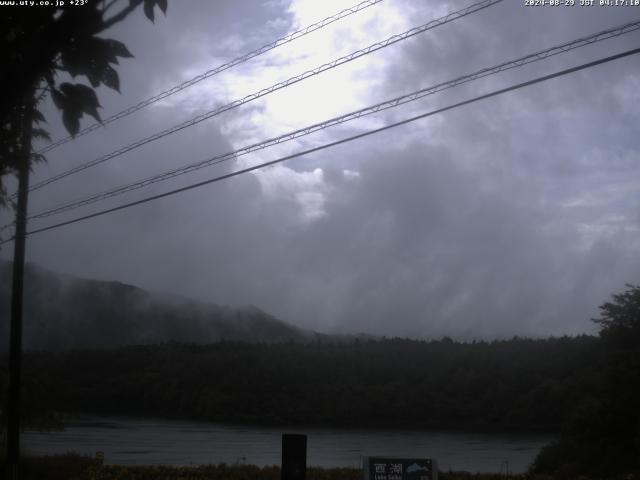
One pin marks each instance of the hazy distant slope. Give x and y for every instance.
(63, 312)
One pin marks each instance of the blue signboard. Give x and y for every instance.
(378, 468)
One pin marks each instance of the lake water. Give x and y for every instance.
(152, 442)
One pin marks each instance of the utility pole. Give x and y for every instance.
(15, 345)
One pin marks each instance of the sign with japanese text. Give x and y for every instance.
(377, 468)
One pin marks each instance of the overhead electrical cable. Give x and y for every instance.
(214, 71)
(280, 85)
(391, 103)
(338, 142)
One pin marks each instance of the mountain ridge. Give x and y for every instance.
(62, 312)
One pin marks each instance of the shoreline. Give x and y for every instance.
(80, 467)
(166, 442)
(73, 419)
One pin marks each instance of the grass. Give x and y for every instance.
(77, 467)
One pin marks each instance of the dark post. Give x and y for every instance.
(294, 457)
(15, 345)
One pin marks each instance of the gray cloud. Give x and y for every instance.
(518, 215)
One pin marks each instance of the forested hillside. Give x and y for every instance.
(515, 384)
(63, 312)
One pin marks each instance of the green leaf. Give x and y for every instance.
(103, 53)
(93, 58)
(110, 78)
(87, 100)
(94, 113)
(71, 120)
(81, 99)
(149, 5)
(118, 48)
(148, 8)
(38, 117)
(40, 133)
(94, 78)
(77, 59)
(81, 94)
(58, 98)
(66, 99)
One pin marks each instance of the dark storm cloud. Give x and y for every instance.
(427, 249)
(518, 215)
(553, 168)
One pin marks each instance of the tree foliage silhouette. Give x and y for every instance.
(37, 44)
(518, 384)
(603, 437)
(620, 332)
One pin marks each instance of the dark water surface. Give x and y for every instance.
(127, 441)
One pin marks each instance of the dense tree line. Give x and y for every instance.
(519, 383)
(601, 437)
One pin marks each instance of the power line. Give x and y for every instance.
(387, 104)
(214, 71)
(338, 142)
(280, 85)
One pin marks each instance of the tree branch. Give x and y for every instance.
(118, 17)
(108, 5)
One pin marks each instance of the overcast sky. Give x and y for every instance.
(517, 215)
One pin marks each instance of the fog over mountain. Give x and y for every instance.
(63, 312)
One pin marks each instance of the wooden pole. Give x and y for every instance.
(15, 343)
(294, 457)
